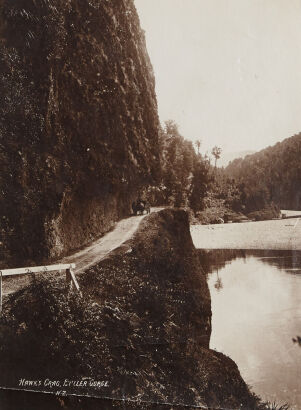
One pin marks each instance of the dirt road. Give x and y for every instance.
(90, 255)
(280, 234)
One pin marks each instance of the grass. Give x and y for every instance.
(274, 406)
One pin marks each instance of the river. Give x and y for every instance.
(256, 314)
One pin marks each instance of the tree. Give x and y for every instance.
(198, 145)
(272, 175)
(177, 161)
(216, 152)
(171, 128)
(201, 179)
(185, 174)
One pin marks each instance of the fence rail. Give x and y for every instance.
(70, 276)
(36, 269)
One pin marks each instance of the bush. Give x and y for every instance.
(267, 213)
(210, 215)
(50, 332)
(215, 215)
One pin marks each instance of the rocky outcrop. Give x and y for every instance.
(144, 325)
(78, 122)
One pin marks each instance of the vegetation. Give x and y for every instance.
(268, 212)
(187, 179)
(185, 175)
(272, 175)
(275, 406)
(255, 187)
(143, 325)
(221, 201)
(216, 152)
(230, 197)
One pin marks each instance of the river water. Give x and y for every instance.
(256, 314)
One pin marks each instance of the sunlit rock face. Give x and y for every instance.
(78, 122)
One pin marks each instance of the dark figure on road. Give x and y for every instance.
(140, 206)
(147, 207)
(134, 208)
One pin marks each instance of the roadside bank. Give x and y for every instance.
(143, 325)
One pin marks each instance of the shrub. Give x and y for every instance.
(264, 214)
(49, 331)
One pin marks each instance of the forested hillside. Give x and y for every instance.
(78, 122)
(271, 175)
(188, 179)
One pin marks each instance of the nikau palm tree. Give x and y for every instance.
(216, 152)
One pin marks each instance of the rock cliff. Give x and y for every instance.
(78, 122)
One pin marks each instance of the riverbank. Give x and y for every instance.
(143, 326)
(281, 234)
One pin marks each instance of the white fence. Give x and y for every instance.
(70, 276)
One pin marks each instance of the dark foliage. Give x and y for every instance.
(269, 212)
(185, 175)
(272, 175)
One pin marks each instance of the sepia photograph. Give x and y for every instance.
(150, 204)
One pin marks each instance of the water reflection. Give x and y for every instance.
(212, 259)
(218, 284)
(256, 305)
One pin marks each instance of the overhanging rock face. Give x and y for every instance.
(78, 122)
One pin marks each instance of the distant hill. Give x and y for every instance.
(230, 156)
(271, 175)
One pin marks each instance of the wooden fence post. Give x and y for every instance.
(71, 280)
(70, 276)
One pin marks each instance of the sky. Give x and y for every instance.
(228, 72)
